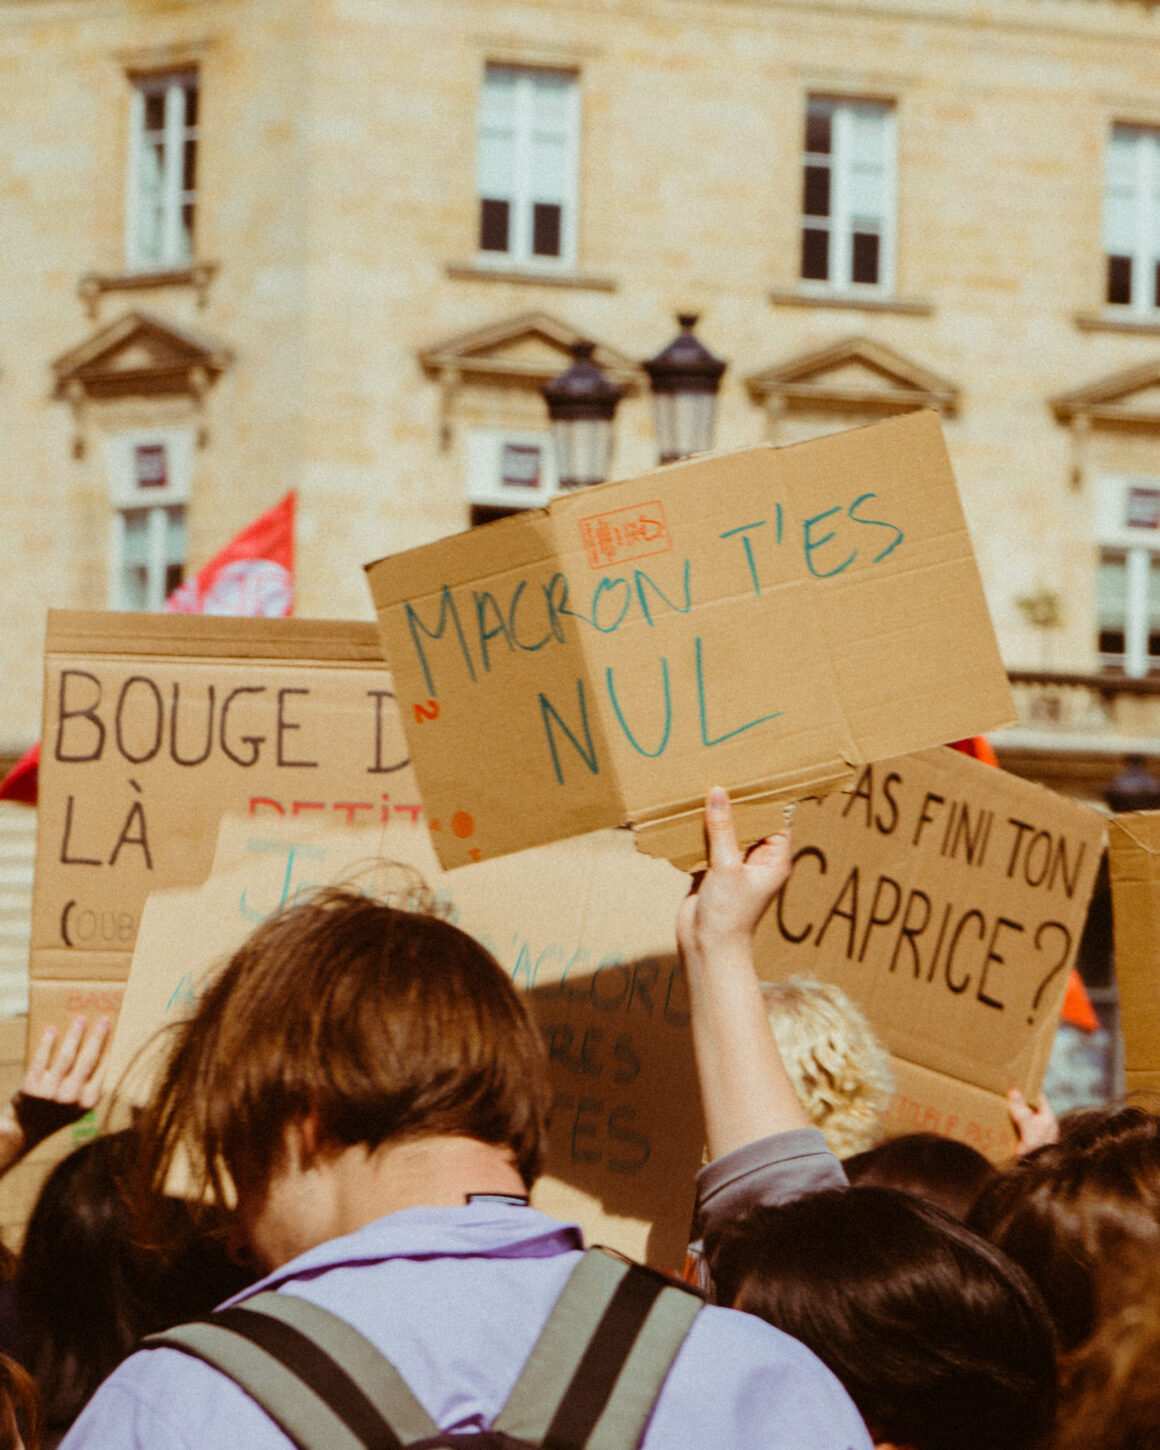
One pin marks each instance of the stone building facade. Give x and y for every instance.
(337, 245)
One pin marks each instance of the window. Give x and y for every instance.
(508, 470)
(526, 166)
(1128, 586)
(1132, 218)
(848, 194)
(149, 487)
(153, 551)
(162, 171)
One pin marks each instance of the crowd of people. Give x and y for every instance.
(339, 1151)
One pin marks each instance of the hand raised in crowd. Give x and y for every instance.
(59, 1087)
(732, 896)
(746, 1092)
(1036, 1126)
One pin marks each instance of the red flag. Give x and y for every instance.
(20, 782)
(252, 576)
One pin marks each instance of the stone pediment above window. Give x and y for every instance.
(1127, 401)
(855, 374)
(1129, 397)
(524, 351)
(138, 356)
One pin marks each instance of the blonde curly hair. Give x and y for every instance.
(840, 1069)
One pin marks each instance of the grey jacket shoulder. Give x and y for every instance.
(769, 1171)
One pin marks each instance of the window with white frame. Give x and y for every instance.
(149, 475)
(1132, 218)
(1128, 592)
(162, 170)
(848, 193)
(507, 470)
(527, 164)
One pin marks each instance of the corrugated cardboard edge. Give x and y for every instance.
(105, 632)
(1134, 869)
(758, 811)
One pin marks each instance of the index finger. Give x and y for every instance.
(724, 851)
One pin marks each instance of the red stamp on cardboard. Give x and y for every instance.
(625, 534)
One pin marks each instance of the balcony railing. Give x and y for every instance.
(1106, 712)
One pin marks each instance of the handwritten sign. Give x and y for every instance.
(154, 727)
(767, 620)
(948, 899)
(586, 928)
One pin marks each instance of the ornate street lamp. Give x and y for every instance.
(1135, 788)
(581, 403)
(685, 378)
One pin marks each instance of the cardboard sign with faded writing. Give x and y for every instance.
(155, 726)
(1134, 869)
(948, 899)
(586, 927)
(765, 620)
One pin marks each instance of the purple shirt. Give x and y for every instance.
(455, 1297)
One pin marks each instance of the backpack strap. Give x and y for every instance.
(595, 1372)
(314, 1374)
(590, 1382)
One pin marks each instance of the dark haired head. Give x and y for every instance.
(1078, 1214)
(22, 1416)
(381, 1024)
(940, 1341)
(938, 1170)
(86, 1291)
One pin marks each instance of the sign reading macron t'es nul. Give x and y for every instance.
(767, 620)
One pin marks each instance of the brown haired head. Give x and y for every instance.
(384, 1025)
(1079, 1214)
(1111, 1387)
(21, 1411)
(938, 1170)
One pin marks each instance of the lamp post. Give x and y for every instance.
(581, 403)
(1135, 788)
(685, 378)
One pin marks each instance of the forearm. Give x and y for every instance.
(746, 1092)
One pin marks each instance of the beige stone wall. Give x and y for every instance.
(337, 188)
(336, 198)
(63, 146)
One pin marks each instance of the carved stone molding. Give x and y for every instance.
(856, 373)
(92, 287)
(522, 351)
(138, 356)
(1128, 399)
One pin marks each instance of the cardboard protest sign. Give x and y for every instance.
(948, 899)
(157, 725)
(1134, 869)
(586, 927)
(765, 620)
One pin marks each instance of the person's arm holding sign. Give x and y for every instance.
(745, 1088)
(58, 1088)
(758, 1135)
